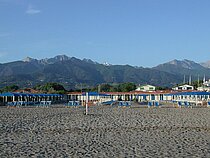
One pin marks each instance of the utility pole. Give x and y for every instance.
(86, 108)
(81, 93)
(99, 90)
(204, 78)
(190, 80)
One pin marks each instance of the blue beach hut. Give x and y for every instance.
(188, 98)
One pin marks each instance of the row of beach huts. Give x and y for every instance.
(152, 98)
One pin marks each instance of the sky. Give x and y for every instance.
(135, 32)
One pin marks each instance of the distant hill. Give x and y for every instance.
(184, 67)
(71, 72)
(206, 64)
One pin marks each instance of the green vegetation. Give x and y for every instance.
(127, 87)
(105, 87)
(46, 88)
(11, 88)
(162, 88)
(122, 87)
(51, 88)
(197, 84)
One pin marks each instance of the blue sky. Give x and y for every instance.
(135, 32)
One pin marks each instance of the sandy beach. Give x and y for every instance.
(106, 132)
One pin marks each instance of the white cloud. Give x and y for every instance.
(32, 11)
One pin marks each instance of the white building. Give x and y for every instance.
(205, 86)
(184, 87)
(206, 83)
(146, 88)
(203, 89)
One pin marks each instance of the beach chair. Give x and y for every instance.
(43, 104)
(24, 103)
(179, 103)
(48, 103)
(186, 104)
(127, 103)
(73, 103)
(120, 103)
(156, 104)
(31, 103)
(36, 103)
(108, 102)
(19, 103)
(150, 104)
(11, 104)
(124, 103)
(76, 103)
(208, 104)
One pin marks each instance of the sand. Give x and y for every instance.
(106, 132)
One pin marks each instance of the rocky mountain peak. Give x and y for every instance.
(57, 58)
(188, 64)
(61, 57)
(173, 62)
(29, 59)
(89, 61)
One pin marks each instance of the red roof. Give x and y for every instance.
(133, 92)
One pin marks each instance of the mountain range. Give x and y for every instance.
(72, 72)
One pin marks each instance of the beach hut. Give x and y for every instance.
(24, 99)
(142, 97)
(188, 98)
(96, 97)
(9, 97)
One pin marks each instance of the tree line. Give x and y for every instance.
(105, 87)
(59, 88)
